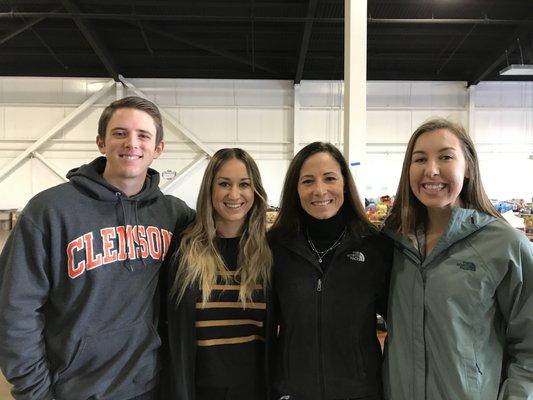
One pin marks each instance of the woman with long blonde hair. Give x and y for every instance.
(217, 304)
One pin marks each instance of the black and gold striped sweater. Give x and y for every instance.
(229, 338)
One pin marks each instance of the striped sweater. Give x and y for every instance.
(230, 339)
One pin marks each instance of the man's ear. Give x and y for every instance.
(101, 144)
(159, 149)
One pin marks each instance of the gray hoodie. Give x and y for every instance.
(461, 320)
(78, 277)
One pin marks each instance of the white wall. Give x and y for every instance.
(259, 117)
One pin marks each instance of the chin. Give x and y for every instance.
(323, 215)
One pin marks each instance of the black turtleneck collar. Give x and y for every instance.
(325, 229)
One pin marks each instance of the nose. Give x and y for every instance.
(319, 189)
(131, 141)
(234, 193)
(432, 169)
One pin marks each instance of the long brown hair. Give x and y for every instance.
(408, 212)
(288, 222)
(200, 262)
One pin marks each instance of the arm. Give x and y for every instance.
(515, 297)
(166, 281)
(385, 251)
(24, 287)
(271, 334)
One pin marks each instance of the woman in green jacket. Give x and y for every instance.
(460, 306)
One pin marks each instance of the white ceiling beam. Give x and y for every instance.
(13, 164)
(51, 166)
(170, 119)
(168, 186)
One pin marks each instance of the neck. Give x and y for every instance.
(325, 229)
(129, 187)
(229, 229)
(438, 219)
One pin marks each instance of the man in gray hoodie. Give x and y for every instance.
(79, 272)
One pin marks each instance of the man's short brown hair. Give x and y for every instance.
(137, 103)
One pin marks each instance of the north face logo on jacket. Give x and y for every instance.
(467, 265)
(356, 256)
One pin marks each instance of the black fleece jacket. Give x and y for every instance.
(327, 346)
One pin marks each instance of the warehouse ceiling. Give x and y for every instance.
(459, 40)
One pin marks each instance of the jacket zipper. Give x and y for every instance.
(319, 332)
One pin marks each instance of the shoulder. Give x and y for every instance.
(46, 208)
(175, 202)
(54, 200)
(380, 247)
(281, 242)
(179, 208)
(274, 238)
(377, 240)
(501, 233)
(499, 246)
(52, 196)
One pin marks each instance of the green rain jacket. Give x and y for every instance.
(461, 321)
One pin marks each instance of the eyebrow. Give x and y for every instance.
(440, 150)
(312, 176)
(125, 129)
(229, 179)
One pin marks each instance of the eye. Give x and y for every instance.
(306, 182)
(331, 179)
(418, 160)
(245, 185)
(144, 136)
(446, 157)
(224, 184)
(119, 133)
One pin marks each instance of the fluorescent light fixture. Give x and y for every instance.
(518, 69)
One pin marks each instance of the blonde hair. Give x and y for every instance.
(200, 262)
(408, 212)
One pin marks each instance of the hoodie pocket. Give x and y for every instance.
(106, 362)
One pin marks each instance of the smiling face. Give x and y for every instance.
(438, 170)
(232, 197)
(321, 186)
(130, 147)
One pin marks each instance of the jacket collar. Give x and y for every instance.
(463, 222)
(298, 244)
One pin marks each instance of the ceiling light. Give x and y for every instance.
(518, 69)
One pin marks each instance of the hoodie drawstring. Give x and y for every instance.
(127, 263)
(136, 215)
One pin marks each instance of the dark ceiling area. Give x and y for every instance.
(459, 40)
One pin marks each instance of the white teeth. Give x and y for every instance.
(321, 203)
(434, 187)
(130, 157)
(233, 205)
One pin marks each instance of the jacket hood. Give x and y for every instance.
(89, 178)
